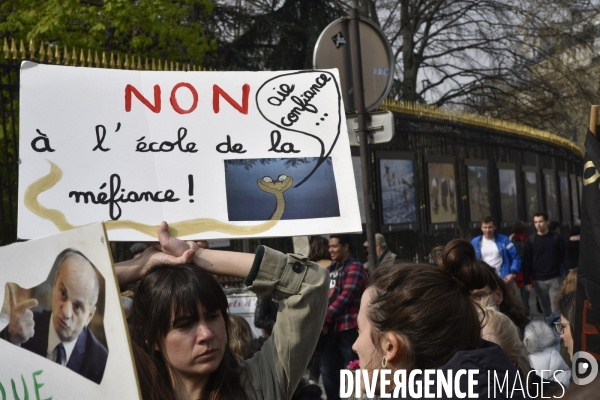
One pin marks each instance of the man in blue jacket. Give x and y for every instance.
(497, 250)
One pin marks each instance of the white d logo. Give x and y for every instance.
(582, 362)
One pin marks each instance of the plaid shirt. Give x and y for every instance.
(350, 281)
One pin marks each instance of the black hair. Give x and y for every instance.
(344, 239)
(542, 214)
(166, 293)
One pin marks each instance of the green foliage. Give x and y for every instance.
(172, 30)
(9, 156)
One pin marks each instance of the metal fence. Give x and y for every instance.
(426, 135)
(423, 135)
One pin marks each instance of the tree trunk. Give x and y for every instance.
(373, 12)
(409, 82)
(366, 8)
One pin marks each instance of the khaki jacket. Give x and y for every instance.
(389, 259)
(275, 371)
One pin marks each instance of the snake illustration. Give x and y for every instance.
(181, 228)
(276, 188)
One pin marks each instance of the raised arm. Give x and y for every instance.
(226, 263)
(302, 287)
(218, 262)
(131, 271)
(170, 250)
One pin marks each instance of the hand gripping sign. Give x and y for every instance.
(217, 154)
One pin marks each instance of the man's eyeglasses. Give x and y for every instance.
(559, 327)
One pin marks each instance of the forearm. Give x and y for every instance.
(129, 271)
(515, 265)
(133, 270)
(338, 306)
(226, 263)
(217, 262)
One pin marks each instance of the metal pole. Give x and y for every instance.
(359, 101)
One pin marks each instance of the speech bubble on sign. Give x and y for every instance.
(301, 102)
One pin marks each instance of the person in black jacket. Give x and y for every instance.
(573, 246)
(545, 258)
(265, 314)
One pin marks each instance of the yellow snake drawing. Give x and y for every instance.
(181, 228)
(276, 188)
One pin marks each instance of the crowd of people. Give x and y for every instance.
(326, 311)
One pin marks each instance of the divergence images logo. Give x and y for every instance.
(584, 369)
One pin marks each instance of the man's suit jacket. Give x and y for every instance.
(88, 358)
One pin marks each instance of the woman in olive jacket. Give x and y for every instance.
(180, 321)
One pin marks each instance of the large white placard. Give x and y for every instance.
(100, 364)
(216, 154)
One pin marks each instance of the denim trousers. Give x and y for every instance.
(336, 353)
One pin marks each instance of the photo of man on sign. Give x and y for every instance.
(60, 332)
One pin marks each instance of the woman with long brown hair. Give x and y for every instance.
(181, 324)
(498, 328)
(502, 297)
(240, 336)
(319, 251)
(417, 316)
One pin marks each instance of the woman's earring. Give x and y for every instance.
(384, 362)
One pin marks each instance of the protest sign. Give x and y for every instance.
(62, 328)
(244, 305)
(216, 154)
